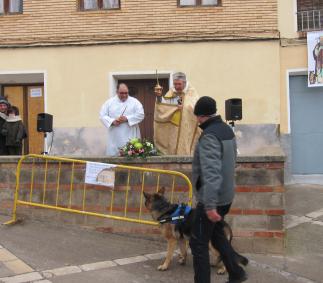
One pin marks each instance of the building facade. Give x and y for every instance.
(301, 129)
(65, 57)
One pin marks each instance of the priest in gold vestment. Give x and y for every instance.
(175, 127)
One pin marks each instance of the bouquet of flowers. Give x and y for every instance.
(138, 148)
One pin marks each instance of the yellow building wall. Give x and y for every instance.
(287, 18)
(293, 59)
(77, 81)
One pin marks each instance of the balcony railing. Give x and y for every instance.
(309, 20)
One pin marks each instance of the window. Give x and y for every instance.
(110, 4)
(199, 2)
(309, 15)
(15, 6)
(1, 7)
(90, 5)
(99, 4)
(10, 6)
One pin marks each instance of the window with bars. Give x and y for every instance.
(10, 6)
(309, 15)
(99, 4)
(185, 3)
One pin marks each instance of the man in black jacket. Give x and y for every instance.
(213, 181)
(3, 117)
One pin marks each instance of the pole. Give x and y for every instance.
(45, 152)
(231, 123)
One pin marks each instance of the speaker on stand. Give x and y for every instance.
(233, 112)
(45, 125)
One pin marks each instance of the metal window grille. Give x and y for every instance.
(309, 20)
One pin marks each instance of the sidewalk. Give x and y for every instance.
(44, 252)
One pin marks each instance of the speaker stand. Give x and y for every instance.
(45, 152)
(231, 123)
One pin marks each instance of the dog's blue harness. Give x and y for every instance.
(177, 216)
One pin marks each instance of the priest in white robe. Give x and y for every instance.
(121, 115)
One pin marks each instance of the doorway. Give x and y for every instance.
(143, 90)
(30, 101)
(306, 106)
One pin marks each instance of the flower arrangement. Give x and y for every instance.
(138, 148)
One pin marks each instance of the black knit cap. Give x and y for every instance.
(205, 106)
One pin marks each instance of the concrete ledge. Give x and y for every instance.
(261, 157)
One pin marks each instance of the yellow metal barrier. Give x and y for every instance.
(60, 184)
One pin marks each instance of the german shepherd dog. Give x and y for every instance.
(180, 233)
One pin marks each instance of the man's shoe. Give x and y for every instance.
(243, 278)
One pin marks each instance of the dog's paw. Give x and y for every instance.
(162, 267)
(181, 260)
(221, 270)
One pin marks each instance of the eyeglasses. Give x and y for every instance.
(123, 92)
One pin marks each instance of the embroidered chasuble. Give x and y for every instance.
(176, 131)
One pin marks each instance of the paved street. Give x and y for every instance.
(42, 252)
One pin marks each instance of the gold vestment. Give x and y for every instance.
(176, 131)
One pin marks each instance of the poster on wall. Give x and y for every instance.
(315, 58)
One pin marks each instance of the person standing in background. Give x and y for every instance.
(175, 127)
(14, 131)
(121, 115)
(4, 104)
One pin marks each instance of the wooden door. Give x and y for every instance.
(143, 90)
(30, 101)
(35, 102)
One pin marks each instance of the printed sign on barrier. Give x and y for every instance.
(100, 174)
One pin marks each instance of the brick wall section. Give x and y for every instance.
(307, 5)
(256, 216)
(60, 22)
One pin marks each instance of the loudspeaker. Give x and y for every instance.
(233, 109)
(44, 122)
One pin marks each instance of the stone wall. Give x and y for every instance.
(256, 216)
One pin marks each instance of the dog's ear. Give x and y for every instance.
(147, 195)
(161, 191)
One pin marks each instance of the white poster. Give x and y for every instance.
(315, 58)
(100, 174)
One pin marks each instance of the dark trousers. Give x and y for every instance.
(204, 231)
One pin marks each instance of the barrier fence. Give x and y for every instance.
(96, 189)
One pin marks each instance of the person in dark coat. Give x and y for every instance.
(213, 180)
(4, 104)
(14, 131)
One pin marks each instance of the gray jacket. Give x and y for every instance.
(214, 164)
